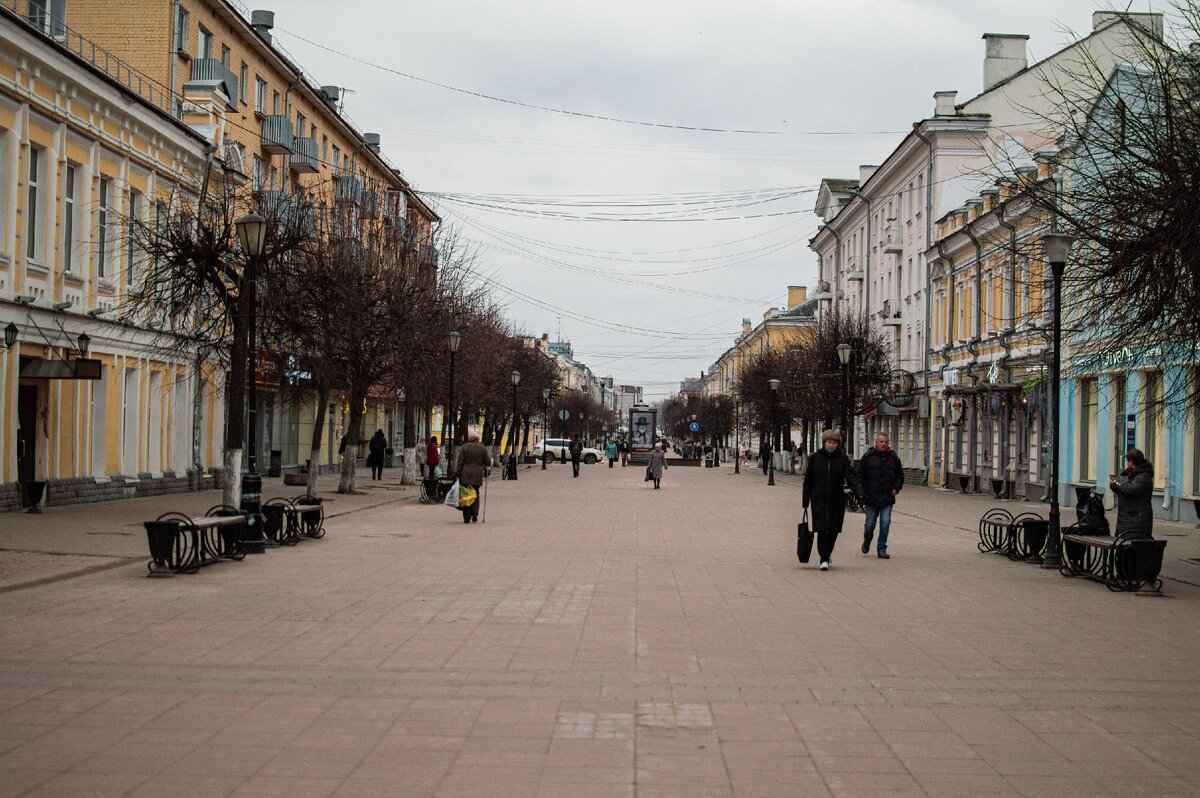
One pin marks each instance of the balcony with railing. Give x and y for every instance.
(211, 69)
(429, 256)
(369, 204)
(304, 156)
(277, 134)
(275, 204)
(892, 242)
(348, 188)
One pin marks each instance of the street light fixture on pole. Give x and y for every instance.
(545, 416)
(737, 427)
(252, 234)
(512, 448)
(452, 341)
(1058, 248)
(604, 429)
(774, 427)
(843, 352)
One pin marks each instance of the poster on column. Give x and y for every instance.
(642, 425)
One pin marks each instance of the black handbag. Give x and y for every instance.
(649, 474)
(804, 539)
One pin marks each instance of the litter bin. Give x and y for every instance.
(388, 455)
(276, 466)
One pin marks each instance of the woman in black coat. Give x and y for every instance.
(1135, 499)
(377, 449)
(829, 469)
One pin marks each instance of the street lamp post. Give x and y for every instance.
(252, 233)
(774, 427)
(844, 351)
(1058, 248)
(604, 429)
(452, 341)
(545, 414)
(512, 448)
(737, 426)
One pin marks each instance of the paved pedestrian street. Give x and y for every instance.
(592, 637)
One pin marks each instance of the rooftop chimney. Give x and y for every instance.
(864, 173)
(797, 294)
(372, 142)
(943, 103)
(263, 21)
(1004, 56)
(746, 326)
(1151, 22)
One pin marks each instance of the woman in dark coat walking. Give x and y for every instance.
(829, 469)
(658, 462)
(1135, 501)
(377, 449)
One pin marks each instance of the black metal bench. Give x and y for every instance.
(182, 544)
(1121, 563)
(1020, 537)
(285, 521)
(310, 516)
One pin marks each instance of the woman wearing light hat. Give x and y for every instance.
(829, 469)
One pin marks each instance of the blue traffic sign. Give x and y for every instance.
(694, 427)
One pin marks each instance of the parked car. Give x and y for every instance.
(559, 449)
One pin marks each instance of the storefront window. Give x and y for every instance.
(1088, 417)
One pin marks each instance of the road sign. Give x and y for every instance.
(563, 415)
(694, 427)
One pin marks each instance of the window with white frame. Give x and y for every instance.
(133, 258)
(103, 220)
(258, 173)
(260, 95)
(204, 42)
(181, 29)
(5, 182)
(243, 82)
(1089, 416)
(226, 57)
(70, 216)
(32, 202)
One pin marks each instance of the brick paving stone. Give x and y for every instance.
(638, 644)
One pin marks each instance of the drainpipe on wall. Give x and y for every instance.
(173, 59)
(975, 339)
(866, 306)
(950, 337)
(837, 264)
(1006, 335)
(928, 348)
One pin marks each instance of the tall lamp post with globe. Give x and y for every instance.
(774, 427)
(1058, 248)
(252, 234)
(545, 414)
(512, 448)
(737, 425)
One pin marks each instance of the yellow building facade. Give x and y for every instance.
(990, 348)
(79, 146)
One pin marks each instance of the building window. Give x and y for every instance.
(258, 173)
(243, 82)
(1088, 427)
(47, 16)
(70, 211)
(226, 57)
(337, 159)
(275, 103)
(1120, 117)
(324, 149)
(31, 206)
(1154, 441)
(102, 222)
(1195, 438)
(203, 43)
(181, 29)
(132, 257)
(260, 95)
(300, 125)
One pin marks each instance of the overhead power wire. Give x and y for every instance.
(579, 114)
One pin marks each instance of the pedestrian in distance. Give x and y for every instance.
(829, 471)
(470, 466)
(764, 455)
(658, 464)
(611, 451)
(377, 450)
(624, 453)
(576, 449)
(882, 478)
(420, 456)
(433, 456)
(1134, 492)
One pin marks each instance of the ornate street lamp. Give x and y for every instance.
(452, 342)
(774, 427)
(10, 335)
(737, 427)
(84, 342)
(1058, 249)
(252, 234)
(843, 352)
(545, 417)
(512, 447)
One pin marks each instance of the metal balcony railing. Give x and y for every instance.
(304, 156)
(213, 69)
(277, 134)
(275, 204)
(348, 188)
(369, 205)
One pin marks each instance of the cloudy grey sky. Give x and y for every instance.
(577, 220)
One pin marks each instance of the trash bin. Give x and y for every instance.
(276, 466)
(33, 493)
(388, 455)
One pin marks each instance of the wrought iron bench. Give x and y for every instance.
(1020, 537)
(182, 544)
(1121, 563)
(310, 516)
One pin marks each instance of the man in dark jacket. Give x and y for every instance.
(470, 468)
(829, 470)
(1135, 502)
(882, 477)
(576, 449)
(764, 455)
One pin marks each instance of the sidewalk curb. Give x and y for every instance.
(91, 569)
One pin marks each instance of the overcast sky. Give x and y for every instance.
(826, 85)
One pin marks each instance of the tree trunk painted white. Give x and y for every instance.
(313, 468)
(409, 476)
(346, 483)
(231, 480)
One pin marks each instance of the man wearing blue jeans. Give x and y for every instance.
(882, 477)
